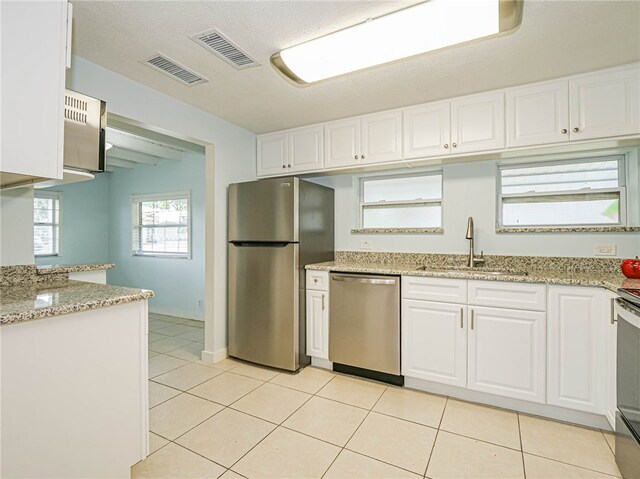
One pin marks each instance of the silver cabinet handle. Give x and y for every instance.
(613, 312)
(576, 130)
(315, 280)
(356, 157)
(472, 318)
(358, 279)
(363, 157)
(284, 166)
(455, 145)
(323, 302)
(564, 131)
(446, 146)
(289, 165)
(462, 318)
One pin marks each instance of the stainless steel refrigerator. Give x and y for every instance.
(276, 227)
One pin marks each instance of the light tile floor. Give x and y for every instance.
(234, 420)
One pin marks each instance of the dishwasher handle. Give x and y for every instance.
(363, 279)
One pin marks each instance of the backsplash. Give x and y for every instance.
(524, 263)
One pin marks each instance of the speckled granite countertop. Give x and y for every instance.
(548, 270)
(73, 268)
(25, 302)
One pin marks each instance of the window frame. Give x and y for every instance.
(53, 195)
(621, 158)
(136, 227)
(362, 204)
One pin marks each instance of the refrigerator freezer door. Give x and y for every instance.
(264, 210)
(263, 304)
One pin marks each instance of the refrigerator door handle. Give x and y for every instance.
(258, 244)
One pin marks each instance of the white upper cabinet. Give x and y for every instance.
(34, 53)
(369, 139)
(477, 123)
(582, 107)
(427, 130)
(342, 143)
(606, 104)
(507, 353)
(272, 154)
(538, 114)
(382, 137)
(577, 361)
(293, 151)
(305, 149)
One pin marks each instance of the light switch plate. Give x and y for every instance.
(365, 244)
(605, 250)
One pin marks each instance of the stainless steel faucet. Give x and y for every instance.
(473, 261)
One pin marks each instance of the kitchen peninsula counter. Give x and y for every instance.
(25, 302)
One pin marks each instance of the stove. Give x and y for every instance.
(631, 295)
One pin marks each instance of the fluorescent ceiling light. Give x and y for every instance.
(422, 28)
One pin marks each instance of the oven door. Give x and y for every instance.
(628, 388)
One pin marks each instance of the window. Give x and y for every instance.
(413, 201)
(46, 223)
(161, 225)
(586, 192)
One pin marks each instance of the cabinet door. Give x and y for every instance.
(318, 324)
(609, 318)
(507, 353)
(427, 130)
(272, 154)
(342, 143)
(33, 82)
(305, 149)
(604, 105)
(434, 342)
(382, 137)
(538, 114)
(477, 123)
(576, 344)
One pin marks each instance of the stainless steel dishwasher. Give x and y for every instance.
(364, 325)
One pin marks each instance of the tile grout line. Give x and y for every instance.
(524, 467)
(444, 410)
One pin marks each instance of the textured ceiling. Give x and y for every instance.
(556, 38)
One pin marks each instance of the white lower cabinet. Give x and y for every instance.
(434, 341)
(493, 350)
(317, 309)
(507, 352)
(611, 351)
(577, 361)
(318, 324)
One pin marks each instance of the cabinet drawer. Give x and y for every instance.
(435, 289)
(498, 294)
(318, 280)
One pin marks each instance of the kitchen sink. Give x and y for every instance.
(473, 270)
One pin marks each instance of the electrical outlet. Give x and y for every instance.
(605, 250)
(365, 244)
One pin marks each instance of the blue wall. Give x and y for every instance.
(177, 282)
(96, 227)
(84, 223)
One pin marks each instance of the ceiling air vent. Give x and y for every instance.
(214, 41)
(173, 69)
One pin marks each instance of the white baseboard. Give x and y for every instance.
(322, 363)
(545, 410)
(214, 356)
(178, 313)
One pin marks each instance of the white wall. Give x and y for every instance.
(469, 189)
(235, 156)
(16, 226)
